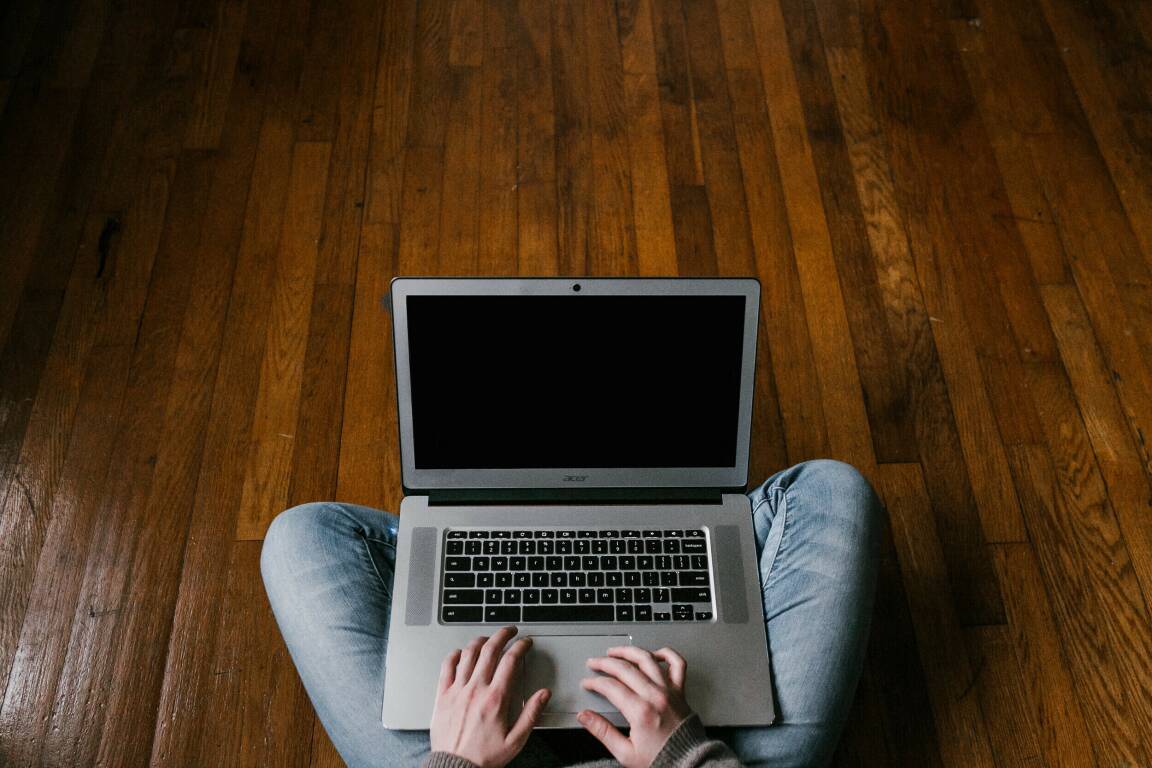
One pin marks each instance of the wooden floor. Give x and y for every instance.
(948, 203)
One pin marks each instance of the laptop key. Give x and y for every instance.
(493, 596)
(668, 578)
(682, 612)
(609, 534)
(521, 534)
(587, 534)
(692, 595)
(603, 595)
(623, 613)
(505, 614)
(662, 616)
(703, 615)
(492, 547)
(599, 547)
(499, 563)
(614, 579)
(508, 547)
(558, 579)
(661, 596)
(567, 596)
(473, 547)
(540, 579)
(643, 595)
(696, 547)
(577, 579)
(481, 563)
(531, 596)
(643, 613)
(457, 534)
(477, 534)
(694, 578)
(650, 578)
(652, 534)
(522, 579)
(694, 533)
(503, 579)
(501, 534)
(485, 579)
(596, 579)
(464, 596)
(454, 547)
(458, 613)
(568, 613)
(457, 564)
(518, 563)
(459, 579)
(512, 597)
(545, 535)
(632, 579)
(587, 595)
(549, 596)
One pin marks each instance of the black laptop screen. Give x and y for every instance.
(508, 382)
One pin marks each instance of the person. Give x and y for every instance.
(328, 570)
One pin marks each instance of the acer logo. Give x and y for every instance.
(575, 478)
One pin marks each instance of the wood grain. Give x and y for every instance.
(947, 204)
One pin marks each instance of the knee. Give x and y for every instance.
(293, 534)
(843, 492)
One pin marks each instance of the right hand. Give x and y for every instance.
(650, 697)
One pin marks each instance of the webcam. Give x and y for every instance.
(576, 287)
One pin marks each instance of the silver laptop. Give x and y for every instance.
(574, 456)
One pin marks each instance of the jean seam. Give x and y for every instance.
(372, 561)
(770, 578)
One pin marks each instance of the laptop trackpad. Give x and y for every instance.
(558, 662)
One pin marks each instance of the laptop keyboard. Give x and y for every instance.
(560, 575)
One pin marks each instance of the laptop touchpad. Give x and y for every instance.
(558, 662)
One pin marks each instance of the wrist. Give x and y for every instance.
(440, 759)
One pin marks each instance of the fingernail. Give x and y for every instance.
(582, 717)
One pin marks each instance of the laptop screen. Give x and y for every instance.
(552, 381)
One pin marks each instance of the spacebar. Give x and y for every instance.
(567, 613)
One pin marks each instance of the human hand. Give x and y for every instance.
(470, 717)
(650, 698)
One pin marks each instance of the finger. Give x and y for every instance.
(520, 731)
(642, 659)
(468, 659)
(448, 671)
(607, 734)
(676, 665)
(619, 695)
(509, 661)
(490, 654)
(624, 671)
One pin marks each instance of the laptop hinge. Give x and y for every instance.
(581, 496)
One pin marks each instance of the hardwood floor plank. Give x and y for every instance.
(908, 318)
(369, 471)
(39, 115)
(1088, 571)
(218, 476)
(102, 308)
(878, 364)
(537, 244)
(390, 116)
(1113, 91)
(1000, 686)
(466, 34)
(784, 324)
(1054, 701)
(575, 181)
(846, 418)
(499, 143)
(79, 699)
(33, 664)
(273, 437)
(1010, 121)
(612, 231)
(459, 225)
(959, 719)
(210, 104)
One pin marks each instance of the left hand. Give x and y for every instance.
(470, 717)
(650, 697)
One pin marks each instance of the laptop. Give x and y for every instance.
(574, 455)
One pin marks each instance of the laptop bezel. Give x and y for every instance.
(562, 482)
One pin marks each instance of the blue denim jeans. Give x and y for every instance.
(328, 571)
